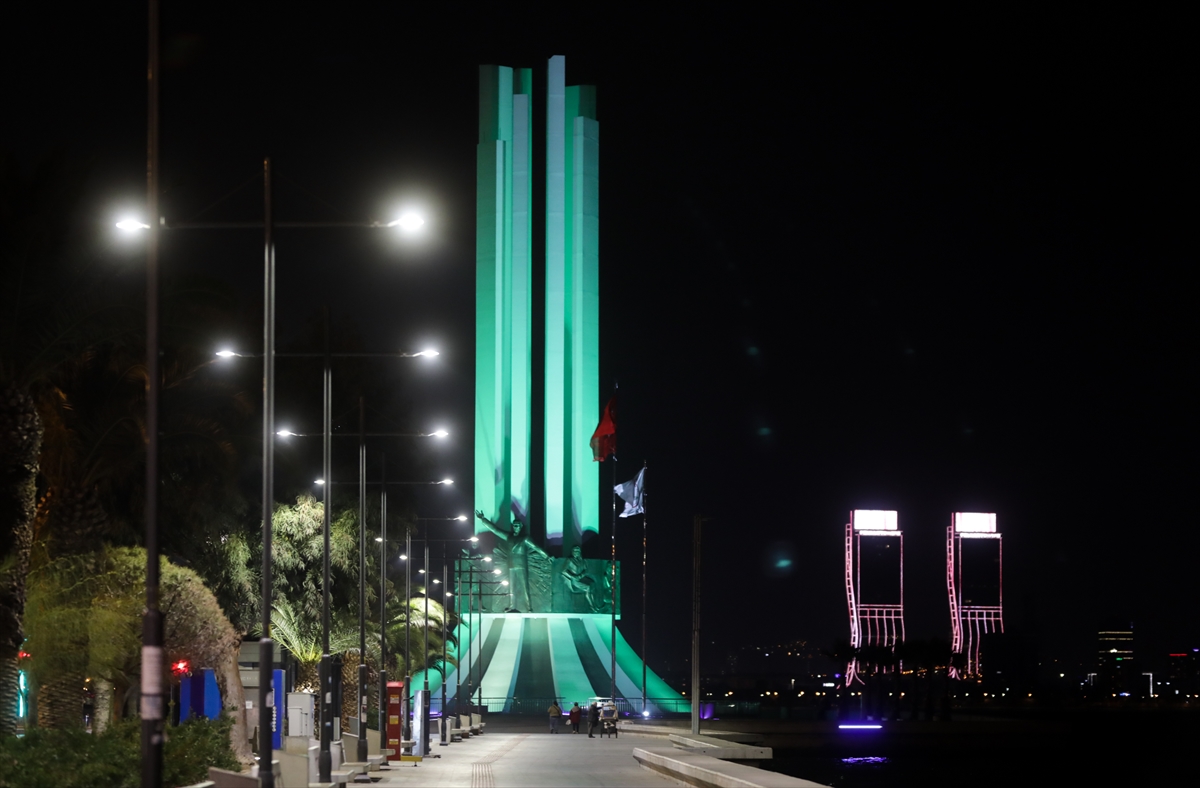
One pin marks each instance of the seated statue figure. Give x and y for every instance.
(578, 583)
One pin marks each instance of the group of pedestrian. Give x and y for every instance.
(574, 717)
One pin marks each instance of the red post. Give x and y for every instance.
(395, 719)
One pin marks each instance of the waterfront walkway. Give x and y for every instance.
(512, 759)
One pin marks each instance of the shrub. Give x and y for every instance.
(76, 759)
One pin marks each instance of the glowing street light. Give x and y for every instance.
(409, 222)
(445, 481)
(132, 225)
(427, 353)
(440, 434)
(226, 354)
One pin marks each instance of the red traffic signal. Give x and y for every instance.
(181, 668)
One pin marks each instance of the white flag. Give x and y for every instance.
(631, 494)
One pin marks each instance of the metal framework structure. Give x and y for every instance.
(873, 623)
(970, 621)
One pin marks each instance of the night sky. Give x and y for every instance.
(850, 258)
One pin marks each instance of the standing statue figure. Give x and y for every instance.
(519, 551)
(578, 583)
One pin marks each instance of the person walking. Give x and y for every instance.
(593, 719)
(555, 713)
(574, 716)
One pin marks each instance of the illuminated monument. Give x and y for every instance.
(874, 581)
(545, 627)
(504, 301)
(975, 584)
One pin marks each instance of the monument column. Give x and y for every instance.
(503, 293)
(572, 308)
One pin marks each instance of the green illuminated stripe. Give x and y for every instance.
(557, 287)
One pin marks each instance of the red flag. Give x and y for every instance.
(604, 439)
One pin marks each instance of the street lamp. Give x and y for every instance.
(152, 641)
(408, 221)
(325, 758)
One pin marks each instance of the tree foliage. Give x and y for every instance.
(84, 617)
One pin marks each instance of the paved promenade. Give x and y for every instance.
(513, 759)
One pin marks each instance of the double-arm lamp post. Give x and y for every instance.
(325, 757)
(152, 635)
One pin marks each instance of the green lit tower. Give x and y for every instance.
(572, 307)
(539, 625)
(503, 293)
(504, 301)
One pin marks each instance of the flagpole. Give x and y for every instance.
(613, 642)
(644, 466)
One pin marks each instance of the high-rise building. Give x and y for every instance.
(975, 585)
(1116, 668)
(874, 581)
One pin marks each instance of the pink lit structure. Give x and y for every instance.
(872, 622)
(969, 621)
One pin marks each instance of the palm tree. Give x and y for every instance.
(411, 619)
(302, 637)
(48, 316)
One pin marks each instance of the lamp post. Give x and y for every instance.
(383, 742)
(326, 680)
(152, 624)
(325, 758)
(361, 754)
(152, 651)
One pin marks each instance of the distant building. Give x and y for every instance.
(1183, 674)
(1116, 667)
(874, 582)
(975, 584)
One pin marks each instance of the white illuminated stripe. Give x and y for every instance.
(974, 522)
(860, 727)
(874, 520)
(973, 535)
